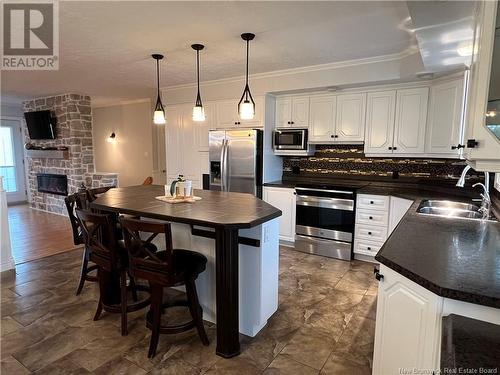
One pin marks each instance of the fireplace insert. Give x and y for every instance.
(52, 183)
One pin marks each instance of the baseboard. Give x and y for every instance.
(7, 265)
(49, 212)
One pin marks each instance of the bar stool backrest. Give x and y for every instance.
(72, 202)
(92, 194)
(100, 239)
(145, 264)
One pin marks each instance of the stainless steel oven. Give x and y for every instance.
(291, 142)
(325, 221)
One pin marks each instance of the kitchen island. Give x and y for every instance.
(238, 233)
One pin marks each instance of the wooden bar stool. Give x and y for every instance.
(168, 268)
(74, 201)
(112, 261)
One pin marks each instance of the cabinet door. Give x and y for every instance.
(283, 199)
(173, 139)
(227, 113)
(380, 122)
(202, 129)
(407, 317)
(350, 124)
(322, 124)
(300, 111)
(283, 112)
(411, 119)
(445, 126)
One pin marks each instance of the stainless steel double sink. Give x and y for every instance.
(446, 208)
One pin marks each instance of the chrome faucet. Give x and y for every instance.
(486, 200)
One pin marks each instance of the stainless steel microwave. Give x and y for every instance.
(291, 142)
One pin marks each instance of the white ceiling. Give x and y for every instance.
(105, 47)
(444, 31)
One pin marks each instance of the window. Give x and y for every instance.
(7, 159)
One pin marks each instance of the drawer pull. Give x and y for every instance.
(370, 233)
(371, 202)
(369, 248)
(371, 217)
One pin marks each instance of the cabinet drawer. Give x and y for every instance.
(367, 247)
(373, 202)
(372, 217)
(371, 232)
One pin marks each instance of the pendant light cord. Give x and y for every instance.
(158, 77)
(198, 69)
(246, 80)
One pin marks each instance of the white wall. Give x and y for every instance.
(11, 110)
(131, 156)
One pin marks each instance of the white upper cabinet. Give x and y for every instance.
(292, 112)
(337, 118)
(202, 128)
(283, 112)
(350, 124)
(322, 118)
(380, 122)
(483, 146)
(300, 111)
(411, 119)
(227, 114)
(228, 117)
(444, 123)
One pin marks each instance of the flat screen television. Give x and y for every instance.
(41, 125)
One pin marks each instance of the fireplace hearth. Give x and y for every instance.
(52, 183)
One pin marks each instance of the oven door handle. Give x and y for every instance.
(331, 203)
(325, 191)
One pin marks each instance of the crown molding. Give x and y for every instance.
(305, 69)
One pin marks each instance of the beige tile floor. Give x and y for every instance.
(324, 324)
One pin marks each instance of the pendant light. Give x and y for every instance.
(159, 113)
(246, 105)
(198, 110)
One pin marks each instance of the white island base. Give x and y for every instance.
(258, 273)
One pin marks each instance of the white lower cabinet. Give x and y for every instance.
(407, 332)
(283, 199)
(376, 218)
(397, 210)
(372, 217)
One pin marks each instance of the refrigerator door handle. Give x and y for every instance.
(226, 165)
(222, 159)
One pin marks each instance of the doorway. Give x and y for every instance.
(12, 160)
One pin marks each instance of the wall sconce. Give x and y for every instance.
(112, 138)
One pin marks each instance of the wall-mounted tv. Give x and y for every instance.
(41, 125)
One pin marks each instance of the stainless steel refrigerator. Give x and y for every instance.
(236, 161)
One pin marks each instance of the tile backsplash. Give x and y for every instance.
(351, 160)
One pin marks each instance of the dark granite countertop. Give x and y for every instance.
(454, 258)
(215, 209)
(469, 345)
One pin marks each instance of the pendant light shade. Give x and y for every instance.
(198, 110)
(246, 105)
(159, 113)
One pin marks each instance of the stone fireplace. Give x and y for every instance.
(47, 170)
